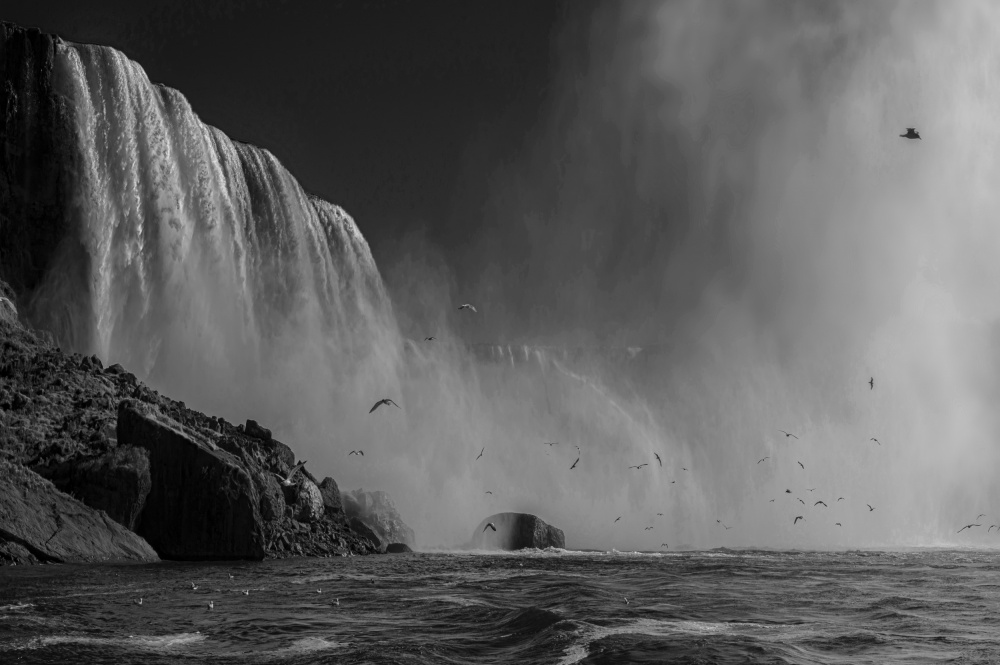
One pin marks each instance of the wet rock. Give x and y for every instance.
(515, 531)
(397, 548)
(54, 527)
(202, 503)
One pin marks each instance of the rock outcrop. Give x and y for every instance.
(397, 548)
(516, 531)
(38, 523)
(379, 513)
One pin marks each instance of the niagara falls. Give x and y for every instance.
(537, 332)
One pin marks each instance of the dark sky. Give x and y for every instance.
(374, 105)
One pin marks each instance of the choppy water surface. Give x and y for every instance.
(533, 607)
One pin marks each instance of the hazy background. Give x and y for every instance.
(721, 184)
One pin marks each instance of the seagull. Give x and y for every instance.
(819, 502)
(626, 600)
(869, 507)
(788, 491)
(840, 498)
(336, 601)
(771, 501)
(211, 604)
(875, 440)
(987, 531)
(356, 452)
(648, 528)
(839, 524)
(429, 339)
(727, 528)
(489, 492)
(287, 481)
(810, 489)
(787, 434)
(967, 526)
(911, 133)
(489, 525)
(194, 587)
(231, 576)
(658, 459)
(383, 401)
(574, 464)
(246, 592)
(762, 459)
(319, 591)
(467, 306)
(481, 452)
(617, 518)
(138, 602)
(639, 466)
(796, 520)
(551, 443)
(664, 545)
(871, 381)
(660, 514)
(801, 501)
(980, 515)
(801, 464)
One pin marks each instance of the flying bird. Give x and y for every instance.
(211, 604)
(771, 501)
(801, 501)
(551, 443)
(819, 502)
(660, 514)
(664, 545)
(810, 489)
(287, 481)
(787, 434)
(481, 452)
(727, 528)
(839, 524)
(871, 381)
(429, 339)
(639, 466)
(980, 515)
(356, 452)
(658, 459)
(991, 526)
(489, 492)
(840, 498)
(489, 525)
(796, 520)
(967, 526)
(574, 464)
(762, 459)
(381, 402)
(138, 602)
(194, 587)
(801, 464)
(617, 518)
(869, 507)
(467, 306)
(911, 133)
(875, 440)
(788, 491)
(648, 528)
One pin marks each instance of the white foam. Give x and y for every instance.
(15, 607)
(145, 642)
(309, 645)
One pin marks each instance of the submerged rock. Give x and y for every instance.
(40, 523)
(397, 548)
(515, 531)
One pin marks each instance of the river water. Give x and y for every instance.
(548, 606)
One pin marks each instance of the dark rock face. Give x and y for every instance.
(379, 513)
(116, 482)
(360, 528)
(397, 548)
(202, 503)
(40, 523)
(515, 531)
(331, 498)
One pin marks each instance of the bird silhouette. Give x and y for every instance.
(787, 434)
(138, 602)
(911, 133)
(991, 526)
(839, 524)
(810, 489)
(727, 528)
(871, 381)
(429, 339)
(481, 452)
(639, 466)
(771, 501)
(967, 526)
(801, 501)
(801, 464)
(664, 545)
(648, 528)
(796, 520)
(762, 459)
(489, 525)
(840, 498)
(356, 452)
(788, 491)
(659, 514)
(467, 306)
(819, 502)
(617, 518)
(287, 480)
(870, 509)
(875, 440)
(551, 443)
(574, 464)
(980, 515)
(658, 459)
(488, 492)
(381, 402)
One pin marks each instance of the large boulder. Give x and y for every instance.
(516, 531)
(379, 513)
(309, 502)
(397, 548)
(202, 503)
(332, 503)
(116, 482)
(40, 523)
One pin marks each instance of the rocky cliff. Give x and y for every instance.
(378, 512)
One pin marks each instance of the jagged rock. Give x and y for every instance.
(256, 431)
(117, 482)
(53, 527)
(331, 497)
(515, 531)
(378, 511)
(397, 548)
(202, 503)
(272, 499)
(309, 502)
(360, 528)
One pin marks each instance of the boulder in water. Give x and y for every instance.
(397, 548)
(516, 531)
